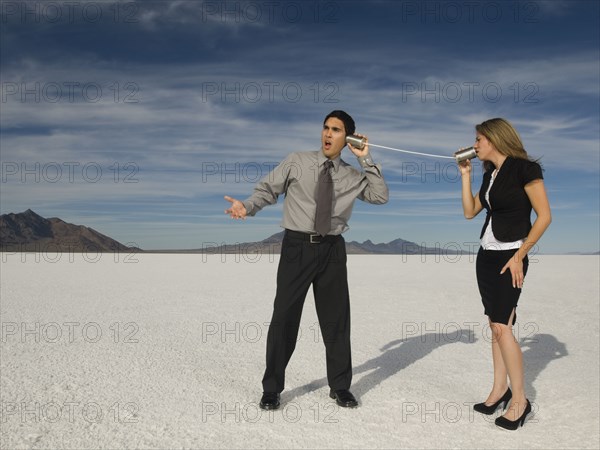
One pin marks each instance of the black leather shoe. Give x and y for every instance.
(503, 422)
(269, 400)
(491, 409)
(344, 398)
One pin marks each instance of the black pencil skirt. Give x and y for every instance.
(498, 295)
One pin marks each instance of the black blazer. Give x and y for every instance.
(511, 208)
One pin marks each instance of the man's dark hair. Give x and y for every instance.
(349, 125)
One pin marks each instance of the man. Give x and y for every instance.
(313, 250)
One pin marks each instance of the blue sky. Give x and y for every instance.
(135, 118)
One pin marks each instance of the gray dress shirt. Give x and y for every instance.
(296, 177)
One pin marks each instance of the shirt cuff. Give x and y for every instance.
(366, 161)
(249, 207)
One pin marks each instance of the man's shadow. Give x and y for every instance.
(397, 355)
(538, 351)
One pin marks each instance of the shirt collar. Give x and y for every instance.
(321, 158)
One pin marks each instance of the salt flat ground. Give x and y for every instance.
(167, 351)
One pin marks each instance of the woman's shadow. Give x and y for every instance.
(538, 351)
(397, 355)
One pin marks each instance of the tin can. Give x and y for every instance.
(356, 141)
(464, 154)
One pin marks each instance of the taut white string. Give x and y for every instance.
(411, 152)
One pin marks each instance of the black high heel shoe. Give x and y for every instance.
(503, 422)
(485, 409)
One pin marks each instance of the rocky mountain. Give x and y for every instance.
(31, 232)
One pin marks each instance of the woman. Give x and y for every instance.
(512, 185)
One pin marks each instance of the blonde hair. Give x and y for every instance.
(503, 136)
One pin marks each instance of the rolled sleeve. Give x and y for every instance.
(376, 190)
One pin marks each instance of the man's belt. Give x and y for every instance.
(312, 238)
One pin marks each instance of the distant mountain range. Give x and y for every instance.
(30, 232)
(273, 245)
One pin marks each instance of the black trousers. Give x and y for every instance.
(324, 266)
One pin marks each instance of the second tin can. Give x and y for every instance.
(464, 154)
(356, 141)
